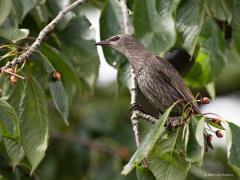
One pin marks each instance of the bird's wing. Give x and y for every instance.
(170, 74)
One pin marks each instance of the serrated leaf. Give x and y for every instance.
(155, 31)
(34, 122)
(144, 173)
(166, 8)
(166, 161)
(59, 96)
(233, 146)
(5, 8)
(220, 9)
(148, 142)
(211, 58)
(194, 140)
(9, 121)
(189, 20)
(111, 21)
(12, 94)
(14, 34)
(14, 151)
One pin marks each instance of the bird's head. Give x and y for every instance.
(121, 42)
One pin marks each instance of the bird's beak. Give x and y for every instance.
(102, 43)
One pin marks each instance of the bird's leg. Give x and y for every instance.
(147, 117)
(135, 106)
(172, 122)
(139, 113)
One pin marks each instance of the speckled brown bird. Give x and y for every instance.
(158, 80)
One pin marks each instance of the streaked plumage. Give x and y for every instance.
(158, 80)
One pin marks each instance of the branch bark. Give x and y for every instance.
(42, 36)
(133, 84)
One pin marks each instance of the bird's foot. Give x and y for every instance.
(137, 112)
(173, 122)
(135, 106)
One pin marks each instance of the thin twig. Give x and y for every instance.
(14, 74)
(42, 35)
(146, 117)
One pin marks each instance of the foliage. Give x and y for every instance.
(30, 109)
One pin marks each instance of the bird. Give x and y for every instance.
(158, 80)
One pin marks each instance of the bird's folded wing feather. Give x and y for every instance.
(170, 74)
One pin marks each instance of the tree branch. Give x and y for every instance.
(133, 84)
(42, 36)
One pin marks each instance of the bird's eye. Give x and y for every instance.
(115, 38)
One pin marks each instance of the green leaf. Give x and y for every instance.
(165, 160)
(212, 40)
(27, 5)
(78, 45)
(41, 14)
(211, 58)
(211, 90)
(55, 7)
(236, 24)
(14, 34)
(200, 74)
(9, 121)
(189, 20)
(221, 9)
(59, 96)
(214, 124)
(111, 21)
(34, 122)
(61, 64)
(155, 31)
(194, 140)
(17, 11)
(166, 8)
(5, 8)
(144, 173)
(149, 141)
(12, 94)
(14, 151)
(123, 76)
(233, 146)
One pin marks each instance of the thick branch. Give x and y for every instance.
(42, 35)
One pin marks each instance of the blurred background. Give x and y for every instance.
(99, 139)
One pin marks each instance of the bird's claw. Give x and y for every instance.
(173, 122)
(135, 106)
